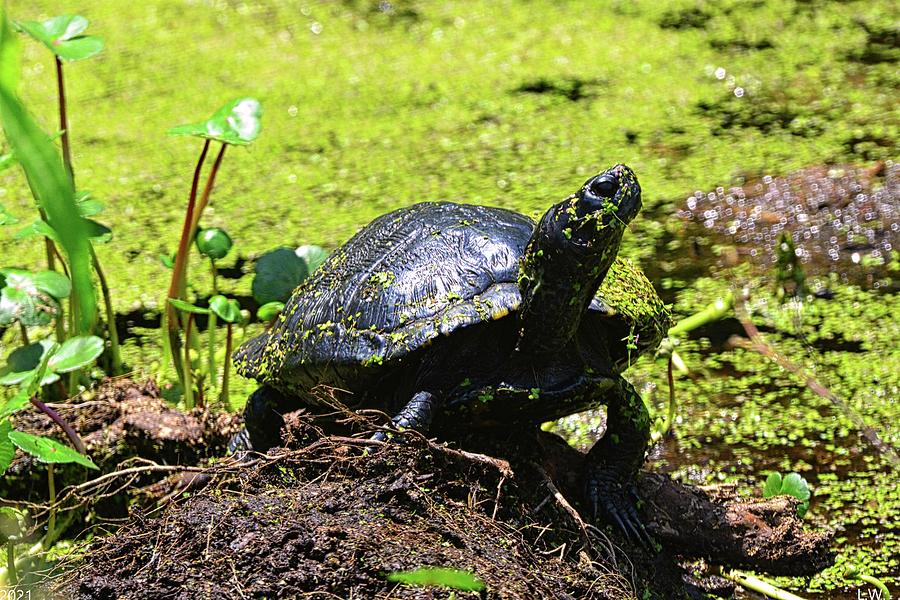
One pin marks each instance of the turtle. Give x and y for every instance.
(454, 317)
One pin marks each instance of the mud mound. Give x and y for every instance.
(331, 517)
(329, 521)
(122, 420)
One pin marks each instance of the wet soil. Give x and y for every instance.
(331, 516)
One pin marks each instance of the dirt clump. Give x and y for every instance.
(331, 516)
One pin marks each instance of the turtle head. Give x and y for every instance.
(613, 195)
(568, 256)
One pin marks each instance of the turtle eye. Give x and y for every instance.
(604, 187)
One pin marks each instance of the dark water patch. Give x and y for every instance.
(134, 324)
(692, 17)
(741, 44)
(882, 43)
(570, 88)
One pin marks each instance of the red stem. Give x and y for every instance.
(63, 121)
(179, 271)
(70, 432)
(210, 181)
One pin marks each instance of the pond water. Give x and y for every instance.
(783, 114)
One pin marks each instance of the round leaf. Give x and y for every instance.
(277, 274)
(214, 242)
(76, 353)
(313, 255)
(226, 309)
(30, 298)
(238, 123)
(269, 310)
(23, 361)
(48, 450)
(773, 485)
(62, 35)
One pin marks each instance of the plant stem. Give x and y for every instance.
(758, 585)
(24, 331)
(713, 312)
(114, 351)
(211, 351)
(51, 487)
(886, 594)
(179, 271)
(215, 275)
(207, 190)
(188, 383)
(63, 424)
(63, 121)
(759, 344)
(223, 394)
(11, 562)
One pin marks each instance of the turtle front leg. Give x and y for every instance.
(416, 415)
(263, 421)
(614, 460)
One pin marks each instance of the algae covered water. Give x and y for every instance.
(743, 121)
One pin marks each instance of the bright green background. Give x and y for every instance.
(367, 110)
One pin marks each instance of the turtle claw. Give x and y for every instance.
(610, 501)
(240, 443)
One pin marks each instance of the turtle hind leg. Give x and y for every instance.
(613, 462)
(416, 415)
(262, 421)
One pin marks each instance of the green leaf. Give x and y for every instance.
(238, 123)
(270, 310)
(9, 55)
(24, 362)
(48, 450)
(213, 242)
(440, 577)
(49, 282)
(313, 255)
(188, 307)
(226, 309)
(773, 485)
(7, 451)
(30, 298)
(39, 227)
(62, 35)
(96, 231)
(167, 261)
(50, 183)
(277, 274)
(12, 521)
(87, 207)
(76, 353)
(15, 404)
(791, 485)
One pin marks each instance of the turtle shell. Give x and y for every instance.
(408, 277)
